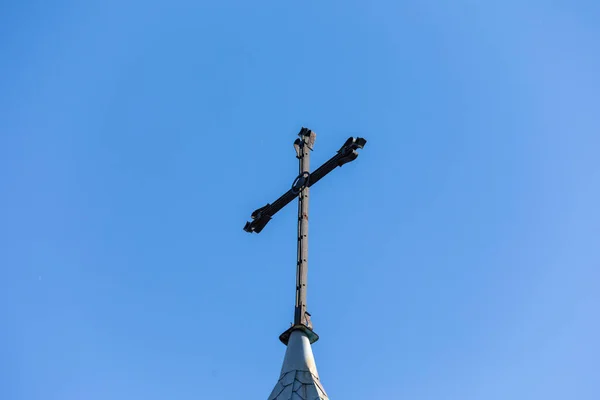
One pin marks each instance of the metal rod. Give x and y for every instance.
(302, 259)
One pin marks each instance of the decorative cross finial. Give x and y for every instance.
(300, 188)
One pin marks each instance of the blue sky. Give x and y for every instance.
(457, 258)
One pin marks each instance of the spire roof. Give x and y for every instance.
(299, 379)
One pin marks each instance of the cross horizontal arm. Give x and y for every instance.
(347, 153)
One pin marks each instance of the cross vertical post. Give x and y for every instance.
(300, 316)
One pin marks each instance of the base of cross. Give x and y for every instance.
(312, 336)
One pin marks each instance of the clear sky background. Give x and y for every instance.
(457, 258)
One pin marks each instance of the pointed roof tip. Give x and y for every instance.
(299, 378)
(299, 355)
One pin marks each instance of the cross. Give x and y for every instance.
(300, 189)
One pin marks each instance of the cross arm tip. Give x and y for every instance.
(347, 152)
(260, 218)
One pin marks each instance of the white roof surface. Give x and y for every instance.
(299, 379)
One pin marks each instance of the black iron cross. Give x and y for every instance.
(300, 188)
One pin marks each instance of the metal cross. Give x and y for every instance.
(300, 188)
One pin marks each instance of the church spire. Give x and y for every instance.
(299, 378)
